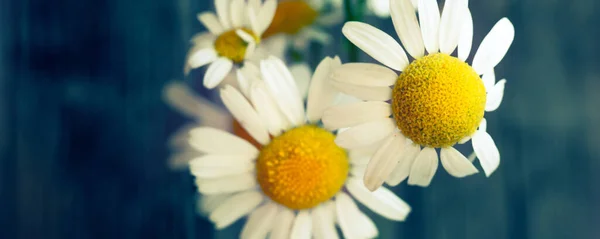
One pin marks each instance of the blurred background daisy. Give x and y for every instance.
(85, 130)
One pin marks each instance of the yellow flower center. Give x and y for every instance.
(290, 17)
(302, 168)
(438, 100)
(232, 46)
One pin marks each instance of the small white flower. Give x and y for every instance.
(437, 101)
(234, 36)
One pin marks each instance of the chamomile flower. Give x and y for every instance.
(302, 21)
(298, 183)
(437, 101)
(235, 34)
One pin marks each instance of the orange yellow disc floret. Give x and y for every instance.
(438, 100)
(302, 168)
(232, 46)
(290, 17)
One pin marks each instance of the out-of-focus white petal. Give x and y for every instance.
(222, 7)
(211, 22)
(283, 87)
(265, 15)
(302, 74)
(202, 57)
(302, 228)
(235, 208)
(215, 141)
(216, 72)
(260, 222)
(243, 112)
(321, 93)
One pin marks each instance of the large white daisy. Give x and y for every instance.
(234, 36)
(437, 101)
(302, 21)
(299, 183)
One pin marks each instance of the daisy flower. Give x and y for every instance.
(436, 101)
(234, 37)
(299, 183)
(303, 20)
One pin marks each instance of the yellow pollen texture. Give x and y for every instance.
(438, 100)
(302, 168)
(233, 47)
(290, 17)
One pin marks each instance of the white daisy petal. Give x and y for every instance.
(321, 93)
(423, 168)
(235, 208)
(202, 57)
(253, 18)
(456, 164)
(250, 49)
(185, 101)
(244, 35)
(256, 4)
(451, 21)
(229, 184)
(265, 16)
(365, 134)
(381, 201)
(494, 97)
(282, 86)
(486, 151)
(429, 17)
(407, 27)
(260, 222)
(211, 22)
(220, 172)
(465, 41)
(342, 116)
(351, 220)
(384, 161)
(267, 109)
(302, 74)
(324, 222)
(222, 7)
(383, 93)
(215, 141)
(483, 125)
(283, 224)
(494, 46)
(464, 140)
(402, 169)
(378, 44)
(208, 203)
(238, 15)
(222, 160)
(216, 72)
(302, 228)
(365, 74)
(243, 112)
(489, 79)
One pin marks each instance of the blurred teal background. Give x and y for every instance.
(83, 128)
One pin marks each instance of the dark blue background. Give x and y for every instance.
(83, 127)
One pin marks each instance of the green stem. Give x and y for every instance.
(354, 12)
